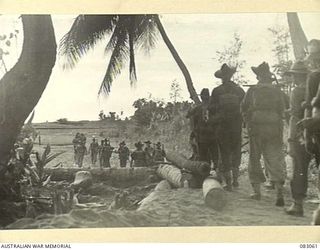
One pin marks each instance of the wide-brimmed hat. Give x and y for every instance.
(298, 67)
(139, 144)
(148, 142)
(225, 70)
(313, 49)
(263, 70)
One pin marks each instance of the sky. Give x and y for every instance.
(73, 94)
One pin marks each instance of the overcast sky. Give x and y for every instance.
(73, 94)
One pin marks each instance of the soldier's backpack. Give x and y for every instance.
(265, 101)
(229, 103)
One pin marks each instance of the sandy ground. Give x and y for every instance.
(176, 207)
(181, 207)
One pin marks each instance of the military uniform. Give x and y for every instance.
(159, 154)
(107, 151)
(204, 131)
(311, 121)
(225, 109)
(100, 154)
(123, 155)
(76, 141)
(263, 108)
(149, 153)
(265, 138)
(139, 158)
(301, 158)
(81, 151)
(93, 149)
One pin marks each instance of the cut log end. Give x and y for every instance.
(162, 186)
(216, 199)
(214, 195)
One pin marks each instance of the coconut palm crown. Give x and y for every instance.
(126, 34)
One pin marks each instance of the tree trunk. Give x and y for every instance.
(24, 84)
(115, 174)
(298, 37)
(182, 66)
(177, 178)
(214, 195)
(172, 174)
(148, 202)
(198, 168)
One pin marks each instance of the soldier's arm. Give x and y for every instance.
(294, 116)
(311, 91)
(281, 103)
(315, 80)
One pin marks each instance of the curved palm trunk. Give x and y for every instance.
(22, 87)
(182, 66)
(298, 37)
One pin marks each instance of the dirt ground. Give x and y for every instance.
(176, 207)
(180, 207)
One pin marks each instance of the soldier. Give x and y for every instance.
(263, 109)
(81, 151)
(149, 152)
(300, 157)
(138, 157)
(93, 150)
(159, 154)
(100, 152)
(204, 131)
(75, 142)
(124, 153)
(83, 138)
(311, 121)
(225, 112)
(107, 153)
(192, 138)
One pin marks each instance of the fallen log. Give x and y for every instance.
(177, 178)
(163, 185)
(199, 168)
(174, 176)
(117, 174)
(214, 195)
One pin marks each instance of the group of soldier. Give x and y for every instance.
(140, 157)
(148, 155)
(217, 124)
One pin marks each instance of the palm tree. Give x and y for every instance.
(127, 32)
(298, 37)
(22, 86)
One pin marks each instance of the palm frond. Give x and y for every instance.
(45, 153)
(147, 32)
(83, 36)
(118, 30)
(118, 57)
(52, 157)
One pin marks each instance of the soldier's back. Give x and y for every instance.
(139, 158)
